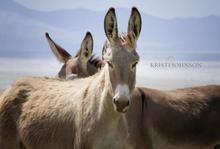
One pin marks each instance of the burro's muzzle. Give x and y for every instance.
(121, 100)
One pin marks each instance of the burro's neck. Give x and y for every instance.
(108, 125)
(106, 103)
(97, 97)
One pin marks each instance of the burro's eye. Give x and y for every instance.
(110, 64)
(133, 65)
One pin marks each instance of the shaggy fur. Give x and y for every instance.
(49, 113)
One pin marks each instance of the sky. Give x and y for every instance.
(23, 43)
(24, 22)
(159, 8)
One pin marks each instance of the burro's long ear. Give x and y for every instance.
(110, 25)
(61, 54)
(86, 48)
(134, 25)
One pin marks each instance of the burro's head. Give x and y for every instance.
(78, 66)
(121, 57)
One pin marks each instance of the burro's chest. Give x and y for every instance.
(110, 135)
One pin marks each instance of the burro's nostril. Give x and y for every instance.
(114, 100)
(121, 104)
(128, 103)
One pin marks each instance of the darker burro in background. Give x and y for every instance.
(83, 64)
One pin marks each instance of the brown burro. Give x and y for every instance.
(47, 113)
(186, 118)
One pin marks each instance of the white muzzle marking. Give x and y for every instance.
(122, 97)
(122, 90)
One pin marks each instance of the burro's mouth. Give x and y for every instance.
(122, 110)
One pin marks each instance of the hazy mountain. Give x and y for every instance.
(22, 31)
